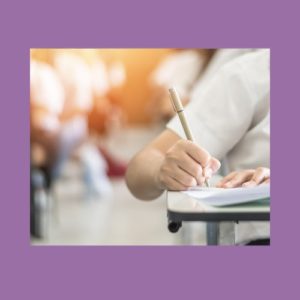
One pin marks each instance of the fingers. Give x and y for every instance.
(184, 178)
(173, 185)
(239, 179)
(226, 179)
(197, 153)
(203, 159)
(171, 173)
(261, 175)
(236, 179)
(245, 178)
(183, 164)
(187, 164)
(212, 167)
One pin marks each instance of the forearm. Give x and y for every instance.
(142, 174)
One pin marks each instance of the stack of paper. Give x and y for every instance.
(221, 197)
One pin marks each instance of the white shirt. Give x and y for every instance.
(230, 117)
(219, 59)
(185, 69)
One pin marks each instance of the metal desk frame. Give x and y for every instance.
(182, 208)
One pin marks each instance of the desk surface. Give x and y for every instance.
(181, 207)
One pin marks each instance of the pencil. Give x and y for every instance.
(177, 105)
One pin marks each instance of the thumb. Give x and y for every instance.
(214, 164)
(212, 167)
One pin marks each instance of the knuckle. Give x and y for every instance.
(234, 180)
(190, 181)
(181, 144)
(196, 170)
(168, 159)
(165, 170)
(205, 158)
(260, 170)
(248, 171)
(229, 176)
(171, 157)
(185, 179)
(234, 176)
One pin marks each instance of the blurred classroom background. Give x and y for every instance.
(91, 110)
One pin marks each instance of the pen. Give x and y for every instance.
(177, 105)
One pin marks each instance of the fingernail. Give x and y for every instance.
(194, 182)
(201, 181)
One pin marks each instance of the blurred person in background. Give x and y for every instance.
(76, 77)
(46, 104)
(65, 92)
(106, 116)
(47, 98)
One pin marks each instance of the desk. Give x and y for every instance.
(181, 207)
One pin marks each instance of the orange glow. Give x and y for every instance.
(134, 95)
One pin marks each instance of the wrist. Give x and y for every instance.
(158, 182)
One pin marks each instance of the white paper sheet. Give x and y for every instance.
(221, 197)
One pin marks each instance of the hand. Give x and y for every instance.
(245, 178)
(185, 165)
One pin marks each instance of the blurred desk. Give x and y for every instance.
(181, 208)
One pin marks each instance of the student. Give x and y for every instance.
(61, 97)
(75, 74)
(46, 104)
(230, 121)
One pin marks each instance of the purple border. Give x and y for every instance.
(147, 272)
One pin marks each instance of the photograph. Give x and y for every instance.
(149, 146)
(136, 150)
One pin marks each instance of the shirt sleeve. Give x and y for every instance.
(222, 111)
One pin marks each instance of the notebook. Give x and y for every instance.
(222, 197)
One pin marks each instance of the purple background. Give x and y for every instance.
(148, 272)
